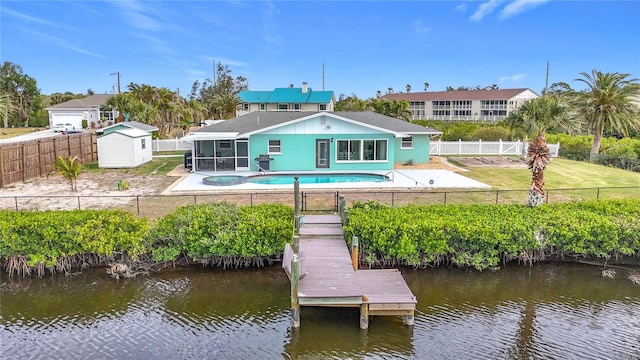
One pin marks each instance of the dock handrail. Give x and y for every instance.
(393, 178)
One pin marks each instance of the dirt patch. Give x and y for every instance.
(95, 190)
(503, 162)
(435, 163)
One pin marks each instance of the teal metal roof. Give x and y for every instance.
(287, 95)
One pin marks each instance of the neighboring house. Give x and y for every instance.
(309, 141)
(74, 111)
(286, 99)
(125, 145)
(464, 105)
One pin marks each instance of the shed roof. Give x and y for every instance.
(130, 124)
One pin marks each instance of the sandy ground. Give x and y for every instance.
(95, 189)
(99, 189)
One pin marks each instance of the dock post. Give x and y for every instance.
(354, 253)
(295, 307)
(364, 316)
(295, 244)
(408, 320)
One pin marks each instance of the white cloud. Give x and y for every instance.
(420, 27)
(485, 9)
(462, 7)
(136, 15)
(32, 19)
(513, 78)
(53, 40)
(519, 6)
(271, 36)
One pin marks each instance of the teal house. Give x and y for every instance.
(309, 141)
(286, 99)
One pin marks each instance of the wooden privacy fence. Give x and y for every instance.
(26, 160)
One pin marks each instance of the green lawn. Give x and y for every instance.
(6, 133)
(157, 166)
(560, 174)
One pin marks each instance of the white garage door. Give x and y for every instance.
(73, 119)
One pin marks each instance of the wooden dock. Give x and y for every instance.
(327, 276)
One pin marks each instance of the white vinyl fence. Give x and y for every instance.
(480, 147)
(169, 145)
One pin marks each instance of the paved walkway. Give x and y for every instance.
(401, 179)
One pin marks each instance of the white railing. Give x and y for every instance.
(500, 148)
(480, 147)
(169, 145)
(460, 118)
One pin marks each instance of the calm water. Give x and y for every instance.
(545, 312)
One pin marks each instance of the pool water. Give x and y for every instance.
(287, 179)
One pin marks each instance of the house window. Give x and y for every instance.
(275, 146)
(143, 143)
(245, 106)
(263, 107)
(407, 142)
(361, 150)
(297, 106)
(323, 107)
(283, 106)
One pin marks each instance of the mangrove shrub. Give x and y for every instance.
(483, 236)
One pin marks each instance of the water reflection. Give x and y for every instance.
(550, 311)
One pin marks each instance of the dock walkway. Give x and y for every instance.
(328, 277)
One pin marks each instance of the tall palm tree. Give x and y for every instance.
(609, 104)
(225, 104)
(6, 107)
(535, 117)
(408, 88)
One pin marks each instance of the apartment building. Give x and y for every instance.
(286, 99)
(464, 105)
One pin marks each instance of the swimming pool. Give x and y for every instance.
(287, 179)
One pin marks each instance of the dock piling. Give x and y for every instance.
(354, 252)
(295, 277)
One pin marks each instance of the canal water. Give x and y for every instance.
(564, 311)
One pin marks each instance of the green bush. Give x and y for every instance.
(48, 239)
(483, 236)
(222, 229)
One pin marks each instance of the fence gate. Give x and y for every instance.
(319, 201)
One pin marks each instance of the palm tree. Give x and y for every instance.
(609, 104)
(535, 117)
(408, 88)
(426, 86)
(70, 169)
(225, 104)
(6, 107)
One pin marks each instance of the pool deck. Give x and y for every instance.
(401, 179)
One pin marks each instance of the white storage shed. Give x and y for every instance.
(124, 148)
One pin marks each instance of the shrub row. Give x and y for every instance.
(483, 236)
(220, 233)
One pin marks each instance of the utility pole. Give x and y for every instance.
(322, 76)
(117, 73)
(546, 82)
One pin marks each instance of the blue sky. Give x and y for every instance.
(365, 46)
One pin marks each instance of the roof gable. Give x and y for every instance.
(261, 121)
(93, 101)
(287, 95)
(501, 94)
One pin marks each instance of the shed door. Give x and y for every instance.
(322, 153)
